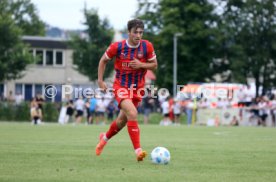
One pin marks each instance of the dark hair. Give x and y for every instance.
(135, 23)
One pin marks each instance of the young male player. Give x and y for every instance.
(133, 57)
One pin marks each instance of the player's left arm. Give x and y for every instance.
(136, 64)
(151, 63)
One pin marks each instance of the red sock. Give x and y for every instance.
(134, 133)
(113, 130)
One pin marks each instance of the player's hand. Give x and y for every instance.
(135, 64)
(102, 85)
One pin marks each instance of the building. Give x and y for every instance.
(54, 67)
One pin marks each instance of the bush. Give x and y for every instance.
(10, 112)
(6, 111)
(22, 112)
(50, 112)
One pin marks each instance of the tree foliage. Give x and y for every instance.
(196, 47)
(230, 38)
(250, 36)
(16, 19)
(88, 50)
(13, 54)
(24, 14)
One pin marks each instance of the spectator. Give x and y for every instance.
(204, 104)
(100, 110)
(162, 97)
(92, 110)
(36, 114)
(241, 96)
(165, 111)
(254, 110)
(223, 103)
(234, 121)
(107, 98)
(117, 108)
(87, 108)
(69, 111)
(263, 111)
(10, 97)
(189, 111)
(79, 106)
(249, 96)
(148, 103)
(18, 99)
(40, 102)
(111, 110)
(177, 111)
(171, 115)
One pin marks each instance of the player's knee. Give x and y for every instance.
(132, 115)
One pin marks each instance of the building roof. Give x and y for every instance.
(46, 42)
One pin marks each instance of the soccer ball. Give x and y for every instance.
(160, 155)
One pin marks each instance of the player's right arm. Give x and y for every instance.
(108, 55)
(102, 64)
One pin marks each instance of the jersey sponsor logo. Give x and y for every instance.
(125, 66)
(139, 54)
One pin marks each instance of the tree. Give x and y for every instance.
(16, 18)
(88, 51)
(14, 55)
(25, 16)
(196, 48)
(250, 32)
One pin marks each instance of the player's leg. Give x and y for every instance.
(131, 112)
(116, 125)
(88, 115)
(91, 117)
(114, 128)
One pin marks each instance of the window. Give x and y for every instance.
(49, 57)
(38, 89)
(58, 93)
(59, 58)
(49, 92)
(39, 57)
(28, 92)
(18, 88)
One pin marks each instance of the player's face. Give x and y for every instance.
(135, 35)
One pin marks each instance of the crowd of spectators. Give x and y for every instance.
(99, 110)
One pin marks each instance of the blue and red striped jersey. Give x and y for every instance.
(125, 53)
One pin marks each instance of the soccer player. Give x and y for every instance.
(134, 57)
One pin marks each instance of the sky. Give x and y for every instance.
(67, 14)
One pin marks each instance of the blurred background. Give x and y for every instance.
(201, 45)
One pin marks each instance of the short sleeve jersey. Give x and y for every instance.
(126, 76)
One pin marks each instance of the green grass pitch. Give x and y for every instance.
(66, 153)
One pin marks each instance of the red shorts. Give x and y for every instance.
(133, 94)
